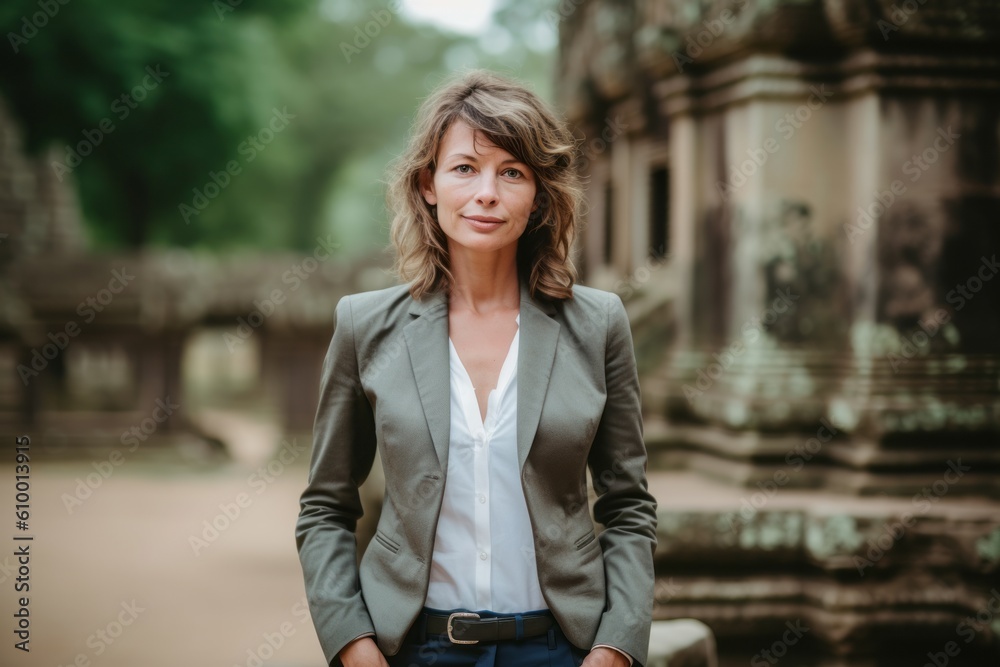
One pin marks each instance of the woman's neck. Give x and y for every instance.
(484, 284)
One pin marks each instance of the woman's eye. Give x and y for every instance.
(512, 173)
(463, 169)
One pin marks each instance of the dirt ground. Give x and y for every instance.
(115, 580)
(173, 564)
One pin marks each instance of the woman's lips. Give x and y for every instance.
(483, 223)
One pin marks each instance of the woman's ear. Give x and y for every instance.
(427, 186)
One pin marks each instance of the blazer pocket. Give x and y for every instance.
(585, 541)
(386, 542)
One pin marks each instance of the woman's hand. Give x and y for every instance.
(362, 652)
(602, 656)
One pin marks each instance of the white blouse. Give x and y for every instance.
(484, 555)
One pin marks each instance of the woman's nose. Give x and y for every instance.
(487, 193)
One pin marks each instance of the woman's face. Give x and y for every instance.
(483, 194)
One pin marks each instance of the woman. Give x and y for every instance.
(488, 383)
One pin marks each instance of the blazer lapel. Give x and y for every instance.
(427, 342)
(536, 351)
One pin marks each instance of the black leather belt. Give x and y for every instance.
(464, 627)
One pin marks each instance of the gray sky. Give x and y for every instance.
(465, 16)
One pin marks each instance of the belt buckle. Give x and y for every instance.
(461, 614)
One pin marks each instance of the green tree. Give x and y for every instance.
(346, 77)
(136, 96)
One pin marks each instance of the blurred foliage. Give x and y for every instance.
(162, 96)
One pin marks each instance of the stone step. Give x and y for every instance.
(681, 643)
(858, 571)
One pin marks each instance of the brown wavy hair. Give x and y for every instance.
(516, 120)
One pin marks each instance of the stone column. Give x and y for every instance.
(835, 227)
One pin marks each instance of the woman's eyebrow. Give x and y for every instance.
(461, 156)
(465, 156)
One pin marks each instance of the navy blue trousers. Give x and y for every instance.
(426, 650)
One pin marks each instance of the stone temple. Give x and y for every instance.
(800, 201)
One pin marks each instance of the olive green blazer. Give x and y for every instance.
(385, 387)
